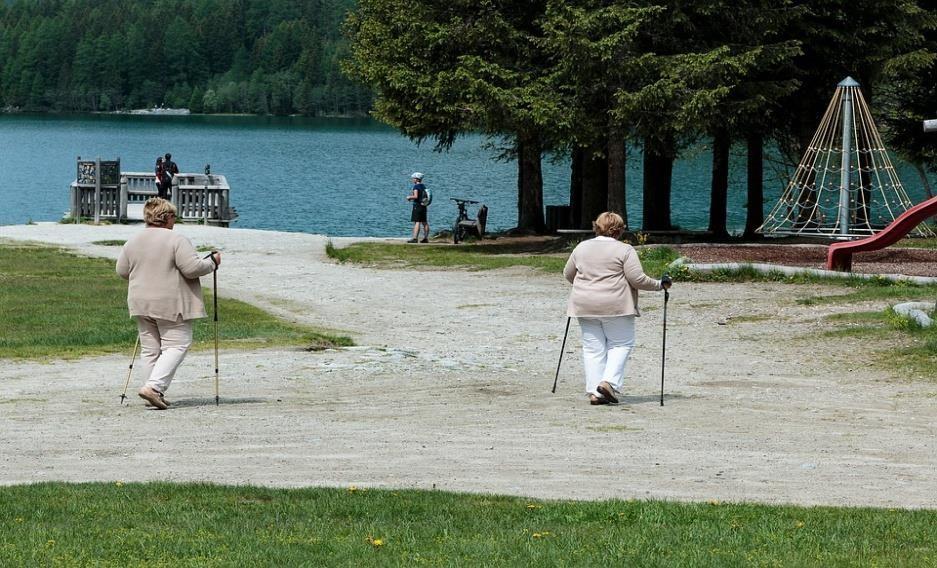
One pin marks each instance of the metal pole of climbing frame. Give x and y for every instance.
(847, 84)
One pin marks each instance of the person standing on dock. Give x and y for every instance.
(162, 190)
(419, 217)
(171, 169)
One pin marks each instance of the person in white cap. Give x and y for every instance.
(419, 214)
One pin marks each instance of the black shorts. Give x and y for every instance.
(418, 215)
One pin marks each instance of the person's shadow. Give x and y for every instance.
(646, 398)
(210, 401)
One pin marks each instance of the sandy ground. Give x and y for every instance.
(449, 388)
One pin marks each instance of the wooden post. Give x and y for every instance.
(97, 190)
(74, 201)
(122, 213)
(223, 207)
(175, 198)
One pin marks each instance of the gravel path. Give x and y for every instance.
(449, 388)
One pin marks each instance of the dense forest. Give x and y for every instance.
(590, 79)
(237, 56)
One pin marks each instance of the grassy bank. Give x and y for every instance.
(56, 304)
(54, 524)
(547, 257)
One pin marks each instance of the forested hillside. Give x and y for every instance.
(243, 56)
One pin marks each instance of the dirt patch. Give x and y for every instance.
(912, 262)
(450, 389)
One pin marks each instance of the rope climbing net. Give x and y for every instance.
(845, 185)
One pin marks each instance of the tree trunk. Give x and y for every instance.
(755, 216)
(617, 159)
(575, 188)
(719, 194)
(529, 185)
(594, 186)
(658, 171)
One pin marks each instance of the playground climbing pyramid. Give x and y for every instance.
(845, 186)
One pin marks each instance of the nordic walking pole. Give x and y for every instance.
(123, 395)
(214, 278)
(562, 349)
(214, 294)
(663, 351)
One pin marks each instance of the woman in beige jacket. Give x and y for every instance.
(606, 275)
(164, 294)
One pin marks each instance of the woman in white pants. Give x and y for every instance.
(606, 275)
(164, 294)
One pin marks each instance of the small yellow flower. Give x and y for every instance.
(50, 543)
(536, 535)
(352, 488)
(375, 542)
(119, 483)
(20, 519)
(534, 506)
(799, 524)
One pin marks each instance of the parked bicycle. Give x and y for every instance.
(465, 226)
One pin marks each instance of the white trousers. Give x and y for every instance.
(163, 345)
(606, 346)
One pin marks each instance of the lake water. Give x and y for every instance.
(341, 177)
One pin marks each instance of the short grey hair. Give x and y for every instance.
(609, 224)
(156, 211)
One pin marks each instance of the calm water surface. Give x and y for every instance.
(338, 177)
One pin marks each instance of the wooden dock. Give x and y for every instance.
(118, 196)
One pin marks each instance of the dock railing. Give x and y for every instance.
(202, 198)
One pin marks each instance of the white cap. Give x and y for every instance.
(416, 175)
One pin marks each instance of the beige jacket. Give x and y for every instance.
(606, 275)
(163, 268)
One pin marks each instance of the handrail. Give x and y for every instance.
(197, 196)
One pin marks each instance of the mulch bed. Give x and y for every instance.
(912, 262)
(892, 260)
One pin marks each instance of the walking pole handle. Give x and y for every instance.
(211, 255)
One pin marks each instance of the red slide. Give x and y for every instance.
(839, 256)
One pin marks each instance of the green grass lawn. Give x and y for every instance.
(917, 243)
(114, 524)
(56, 304)
(548, 257)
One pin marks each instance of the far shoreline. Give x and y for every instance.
(129, 112)
(14, 231)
